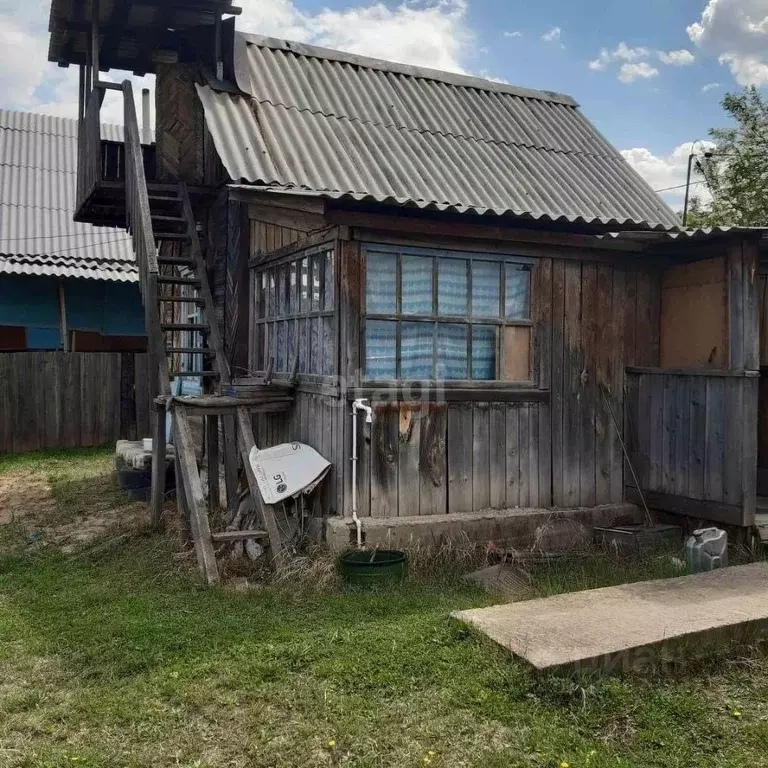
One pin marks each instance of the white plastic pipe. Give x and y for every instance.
(357, 405)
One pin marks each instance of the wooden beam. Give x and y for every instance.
(212, 461)
(247, 442)
(229, 450)
(286, 217)
(157, 498)
(193, 493)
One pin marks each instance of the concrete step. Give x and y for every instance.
(632, 626)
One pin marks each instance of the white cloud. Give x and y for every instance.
(516, 33)
(628, 73)
(553, 36)
(665, 171)
(431, 33)
(681, 58)
(709, 87)
(736, 31)
(639, 54)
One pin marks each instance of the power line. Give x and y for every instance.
(52, 237)
(57, 251)
(680, 186)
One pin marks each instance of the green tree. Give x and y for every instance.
(736, 173)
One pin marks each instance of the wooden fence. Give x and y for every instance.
(72, 399)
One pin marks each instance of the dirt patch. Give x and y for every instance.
(70, 516)
(23, 494)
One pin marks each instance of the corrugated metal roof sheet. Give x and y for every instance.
(38, 177)
(348, 126)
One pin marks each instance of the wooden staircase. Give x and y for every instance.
(172, 277)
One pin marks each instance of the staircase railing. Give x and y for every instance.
(138, 222)
(89, 147)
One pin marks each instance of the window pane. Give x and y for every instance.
(304, 286)
(316, 345)
(380, 283)
(316, 283)
(294, 293)
(417, 285)
(483, 352)
(518, 299)
(328, 280)
(291, 344)
(416, 350)
(272, 308)
(261, 296)
(451, 351)
(485, 289)
(302, 329)
(452, 287)
(380, 338)
(329, 347)
(282, 290)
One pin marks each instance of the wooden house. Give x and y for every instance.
(471, 257)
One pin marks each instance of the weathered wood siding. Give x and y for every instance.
(590, 320)
(693, 437)
(72, 399)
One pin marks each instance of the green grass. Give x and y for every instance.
(121, 658)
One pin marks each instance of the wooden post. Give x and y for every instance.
(95, 41)
(145, 117)
(158, 463)
(212, 461)
(245, 434)
(63, 318)
(229, 445)
(193, 497)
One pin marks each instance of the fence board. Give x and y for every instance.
(71, 399)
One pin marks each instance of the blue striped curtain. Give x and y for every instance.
(452, 287)
(483, 352)
(381, 274)
(486, 289)
(518, 290)
(380, 347)
(416, 348)
(416, 285)
(451, 351)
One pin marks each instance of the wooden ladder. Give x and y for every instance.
(183, 280)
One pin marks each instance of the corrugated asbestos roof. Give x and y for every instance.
(358, 128)
(38, 177)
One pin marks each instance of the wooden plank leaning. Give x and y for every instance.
(246, 442)
(193, 493)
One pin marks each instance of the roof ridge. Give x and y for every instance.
(425, 73)
(444, 134)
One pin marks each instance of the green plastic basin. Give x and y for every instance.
(369, 567)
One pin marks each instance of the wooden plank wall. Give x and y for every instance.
(590, 320)
(72, 399)
(687, 438)
(314, 420)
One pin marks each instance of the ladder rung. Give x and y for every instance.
(239, 535)
(163, 217)
(182, 262)
(174, 279)
(195, 374)
(171, 236)
(202, 327)
(184, 299)
(163, 198)
(193, 350)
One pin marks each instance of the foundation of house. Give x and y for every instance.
(551, 530)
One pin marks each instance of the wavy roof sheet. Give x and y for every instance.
(38, 177)
(349, 126)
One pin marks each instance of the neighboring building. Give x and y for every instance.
(471, 256)
(63, 285)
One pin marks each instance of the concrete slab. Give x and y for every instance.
(632, 626)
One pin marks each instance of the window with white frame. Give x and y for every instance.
(294, 303)
(445, 315)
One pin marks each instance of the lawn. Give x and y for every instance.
(115, 655)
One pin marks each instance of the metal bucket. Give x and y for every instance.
(371, 567)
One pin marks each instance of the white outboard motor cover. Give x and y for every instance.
(287, 470)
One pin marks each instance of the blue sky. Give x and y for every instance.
(649, 75)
